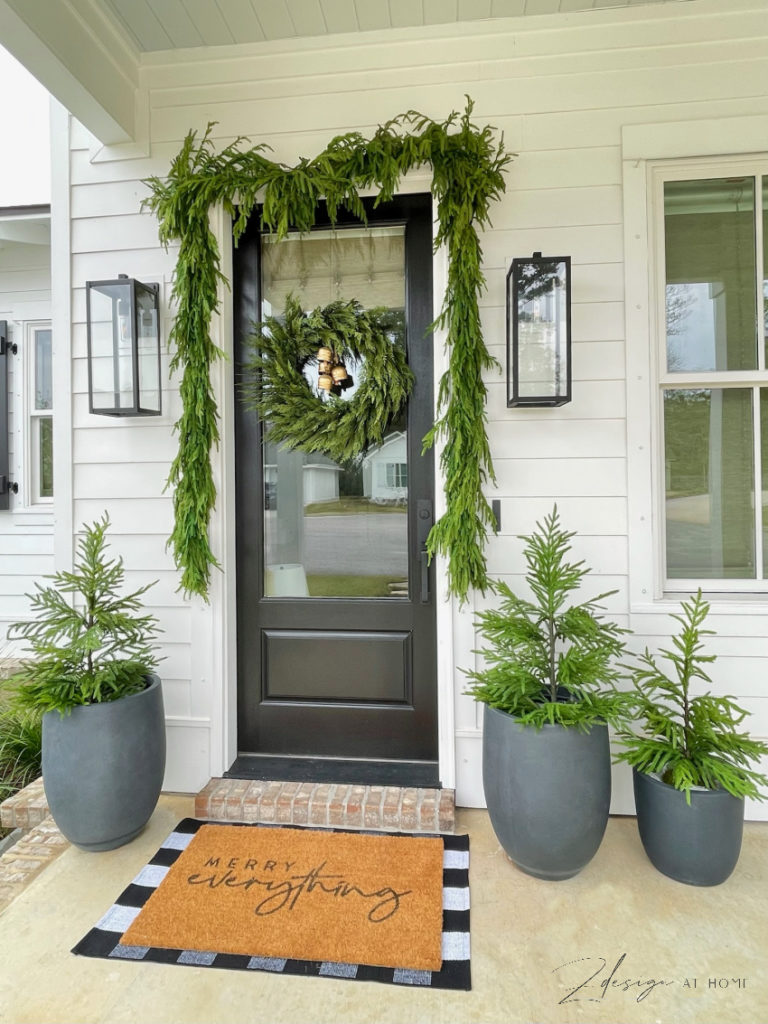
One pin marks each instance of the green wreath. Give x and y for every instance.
(275, 384)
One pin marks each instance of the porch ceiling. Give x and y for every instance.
(89, 53)
(173, 24)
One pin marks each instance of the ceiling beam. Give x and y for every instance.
(80, 57)
(30, 232)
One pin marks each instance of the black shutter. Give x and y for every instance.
(5, 485)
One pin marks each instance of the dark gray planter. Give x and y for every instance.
(698, 844)
(103, 767)
(548, 792)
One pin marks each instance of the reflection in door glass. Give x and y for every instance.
(335, 530)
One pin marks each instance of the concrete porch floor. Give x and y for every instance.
(705, 948)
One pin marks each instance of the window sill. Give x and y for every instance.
(720, 603)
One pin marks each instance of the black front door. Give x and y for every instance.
(335, 601)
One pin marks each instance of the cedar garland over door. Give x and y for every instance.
(336, 606)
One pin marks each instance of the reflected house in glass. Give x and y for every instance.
(385, 470)
(539, 331)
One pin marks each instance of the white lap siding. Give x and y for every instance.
(561, 89)
(26, 531)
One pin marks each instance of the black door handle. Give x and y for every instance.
(424, 518)
(424, 559)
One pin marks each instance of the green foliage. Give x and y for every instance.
(550, 661)
(297, 416)
(467, 177)
(690, 740)
(96, 651)
(21, 743)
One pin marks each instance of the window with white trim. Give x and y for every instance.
(40, 412)
(397, 474)
(712, 396)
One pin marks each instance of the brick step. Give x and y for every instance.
(386, 808)
(381, 808)
(25, 809)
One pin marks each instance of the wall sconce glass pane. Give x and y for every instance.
(123, 347)
(539, 331)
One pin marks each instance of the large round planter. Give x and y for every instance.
(103, 767)
(697, 843)
(548, 792)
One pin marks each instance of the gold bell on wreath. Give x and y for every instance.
(339, 373)
(325, 381)
(324, 355)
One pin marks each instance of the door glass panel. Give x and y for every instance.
(708, 447)
(710, 266)
(335, 530)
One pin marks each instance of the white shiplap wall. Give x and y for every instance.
(26, 533)
(562, 90)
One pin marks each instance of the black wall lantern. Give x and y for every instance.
(123, 347)
(539, 331)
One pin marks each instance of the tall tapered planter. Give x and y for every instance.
(548, 792)
(103, 767)
(697, 843)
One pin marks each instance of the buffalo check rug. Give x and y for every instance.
(363, 906)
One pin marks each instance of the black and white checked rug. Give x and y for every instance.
(104, 940)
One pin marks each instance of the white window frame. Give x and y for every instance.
(32, 418)
(399, 471)
(686, 150)
(743, 379)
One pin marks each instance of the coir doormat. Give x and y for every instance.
(328, 902)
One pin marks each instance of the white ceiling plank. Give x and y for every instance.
(30, 232)
(87, 63)
(143, 24)
(209, 22)
(474, 10)
(307, 17)
(507, 8)
(405, 13)
(372, 15)
(440, 12)
(577, 5)
(340, 15)
(242, 20)
(274, 19)
(542, 6)
(175, 21)
(609, 3)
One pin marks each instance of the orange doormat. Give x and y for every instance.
(301, 894)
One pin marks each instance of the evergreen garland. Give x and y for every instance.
(467, 177)
(276, 386)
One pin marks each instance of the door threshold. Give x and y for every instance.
(347, 806)
(416, 774)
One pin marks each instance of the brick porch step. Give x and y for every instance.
(25, 809)
(383, 808)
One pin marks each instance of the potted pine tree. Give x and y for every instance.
(90, 672)
(690, 763)
(549, 686)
